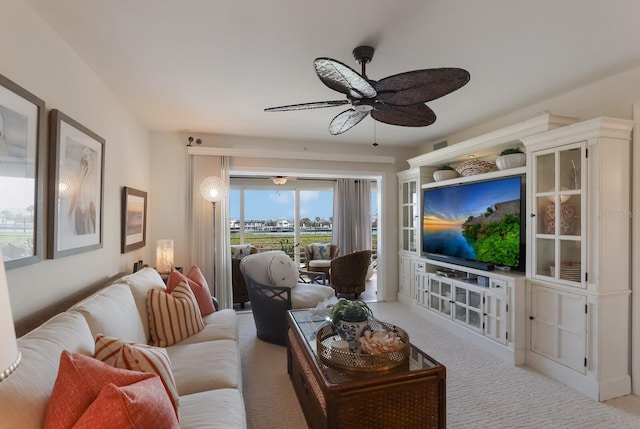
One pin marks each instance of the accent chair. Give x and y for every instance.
(349, 272)
(272, 280)
(318, 256)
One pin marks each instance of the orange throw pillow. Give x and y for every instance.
(142, 405)
(80, 381)
(138, 357)
(174, 316)
(198, 285)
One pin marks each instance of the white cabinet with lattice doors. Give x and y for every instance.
(456, 297)
(578, 260)
(496, 311)
(558, 326)
(409, 232)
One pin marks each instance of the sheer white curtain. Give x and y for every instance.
(352, 215)
(213, 263)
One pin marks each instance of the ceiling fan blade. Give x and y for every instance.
(343, 78)
(306, 106)
(345, 120)
(418, 115)
(420, 86)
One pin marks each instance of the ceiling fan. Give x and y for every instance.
(396, 100)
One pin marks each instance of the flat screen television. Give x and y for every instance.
(476, 224)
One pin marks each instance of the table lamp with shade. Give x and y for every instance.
(213, 189)
(9, 353)
(164, 256)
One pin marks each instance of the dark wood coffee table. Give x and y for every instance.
(411, 395)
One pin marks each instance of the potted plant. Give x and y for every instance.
(511, 158)
(445, 172)
(350, 318)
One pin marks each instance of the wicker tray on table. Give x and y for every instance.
(361, 361)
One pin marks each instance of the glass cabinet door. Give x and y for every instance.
(558, 204)
(468, 307)
(439, 295)
(409, 215)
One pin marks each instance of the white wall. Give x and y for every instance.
(34, 57)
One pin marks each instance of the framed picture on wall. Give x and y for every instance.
(76, 170)
(134, 219)
(22, 158)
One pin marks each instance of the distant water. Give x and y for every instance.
(286, 232)
(449, 242)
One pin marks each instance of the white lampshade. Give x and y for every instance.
(213, 189)
(164, 256)
(9, 354)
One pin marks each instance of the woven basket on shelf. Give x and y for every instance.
(475, 166)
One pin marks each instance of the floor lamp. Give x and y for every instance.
(213, 189)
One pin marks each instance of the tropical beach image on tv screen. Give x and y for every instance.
(475, 221)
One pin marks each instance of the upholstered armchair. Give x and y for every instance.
(349, 272)
(272, 282)
(240, 294)
(318, 256)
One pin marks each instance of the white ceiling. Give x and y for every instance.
(213, 65)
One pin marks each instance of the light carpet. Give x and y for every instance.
(482, 391)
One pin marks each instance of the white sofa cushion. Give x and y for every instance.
(221, 325)
(320, 263)
(215, 409)
(306, 295)
(205, 366)
(140, 282)
(25, 395)
(113, 312)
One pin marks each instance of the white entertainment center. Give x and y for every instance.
(571, 323)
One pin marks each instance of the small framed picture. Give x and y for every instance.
(76, 168)
(134, 219)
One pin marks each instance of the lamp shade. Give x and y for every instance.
(164, 256)
(9, 354)
(213, 189)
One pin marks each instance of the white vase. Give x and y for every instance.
(444, 175)
(512, 160)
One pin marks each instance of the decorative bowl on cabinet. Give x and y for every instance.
(444, 175)
(512, 160)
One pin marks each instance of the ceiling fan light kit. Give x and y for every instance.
(279, 180)
(396, 100)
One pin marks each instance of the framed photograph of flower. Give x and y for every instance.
(22, 162)
(76, 169)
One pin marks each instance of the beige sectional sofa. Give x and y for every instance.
(206, 366)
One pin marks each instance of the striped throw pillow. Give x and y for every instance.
(138, 357)
(174, 316)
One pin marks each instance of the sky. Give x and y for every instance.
(17, 193)
(278, 204)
